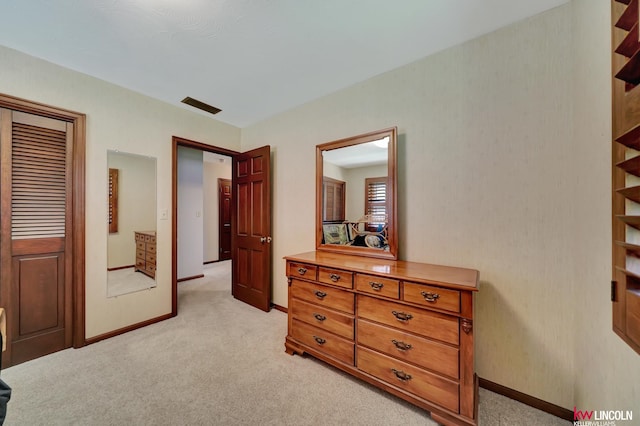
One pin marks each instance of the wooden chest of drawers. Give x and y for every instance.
(402, 326)
(146, 252)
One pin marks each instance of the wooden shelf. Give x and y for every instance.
(633, 221)
(629, 46)
(631, 138)
(631, 193)
(631, 166)
(629, 17)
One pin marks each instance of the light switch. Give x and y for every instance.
(198, 213)
(164, 214)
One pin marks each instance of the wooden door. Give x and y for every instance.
(251, 228)
(224, 221)
(36, 247)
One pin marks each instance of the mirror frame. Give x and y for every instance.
(392, 174)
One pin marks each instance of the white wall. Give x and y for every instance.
(503, 167)
(190, 206)
(117, 119)
(136, 205)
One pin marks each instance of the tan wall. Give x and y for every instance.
(492, 177)
(117, 119)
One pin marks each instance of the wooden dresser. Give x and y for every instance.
(146, 252)
(404, 327)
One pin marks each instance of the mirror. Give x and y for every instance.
(356, 195)
(131, 241)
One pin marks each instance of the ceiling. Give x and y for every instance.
(251, 58)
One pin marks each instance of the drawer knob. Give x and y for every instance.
(401, 375)
(401, 316)
(430, 297)
(302, 271)
(319, 340)
(319, 317)
(401, 346)
(334, 277)
(320, 294)
(376, 286)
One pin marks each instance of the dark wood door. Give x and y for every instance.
(36, 247)
(251, 228)
(224, 222)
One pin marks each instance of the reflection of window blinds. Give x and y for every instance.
(113, 200)
(38, 182)
(376, 196)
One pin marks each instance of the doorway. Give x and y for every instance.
(250, 222)
(42, 228)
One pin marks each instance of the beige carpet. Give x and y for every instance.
(219, 362)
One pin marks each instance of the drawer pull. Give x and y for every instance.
(401, 316)
(376, 286)
(302, 271)
(334, 277)
(401, 346)
(430, 297)
(319, 340)
(319, 317)
(401, 375)
(320, 294)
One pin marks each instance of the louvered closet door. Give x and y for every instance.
(36, 199)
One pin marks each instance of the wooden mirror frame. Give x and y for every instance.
(392, 175)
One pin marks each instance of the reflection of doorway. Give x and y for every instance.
(224, 221)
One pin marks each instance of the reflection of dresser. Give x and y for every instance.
(404, 327)
(146, 252)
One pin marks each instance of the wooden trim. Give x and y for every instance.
(127, 329)
(529, 400)
(193, 277)
(279, 308)
(78, 120)
(117, 268)
(177, 141)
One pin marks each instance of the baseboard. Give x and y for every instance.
(279, 308)
(529, 400)
(189, 278)
(121, 267)
(214, 261)
(126, 329)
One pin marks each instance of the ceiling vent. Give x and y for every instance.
(200, 105)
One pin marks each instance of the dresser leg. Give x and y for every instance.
(292, 348)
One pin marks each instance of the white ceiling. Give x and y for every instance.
(251, 58)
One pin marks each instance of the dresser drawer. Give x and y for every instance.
(328, 343)
(410, 318)
(433, 297)
(322, 295)
(151, 247)
(415, 380)
(140, 263)
(140, 245)
(151, 267)
(295, 269)
(432, 355)
(377, 285)
(150, 239)
(324, 318)
(140, 254)
(335, 277)
(150, 257)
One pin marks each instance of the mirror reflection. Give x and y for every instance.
(131, 241)
(357, 192)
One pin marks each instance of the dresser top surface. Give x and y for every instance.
(467, 279)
